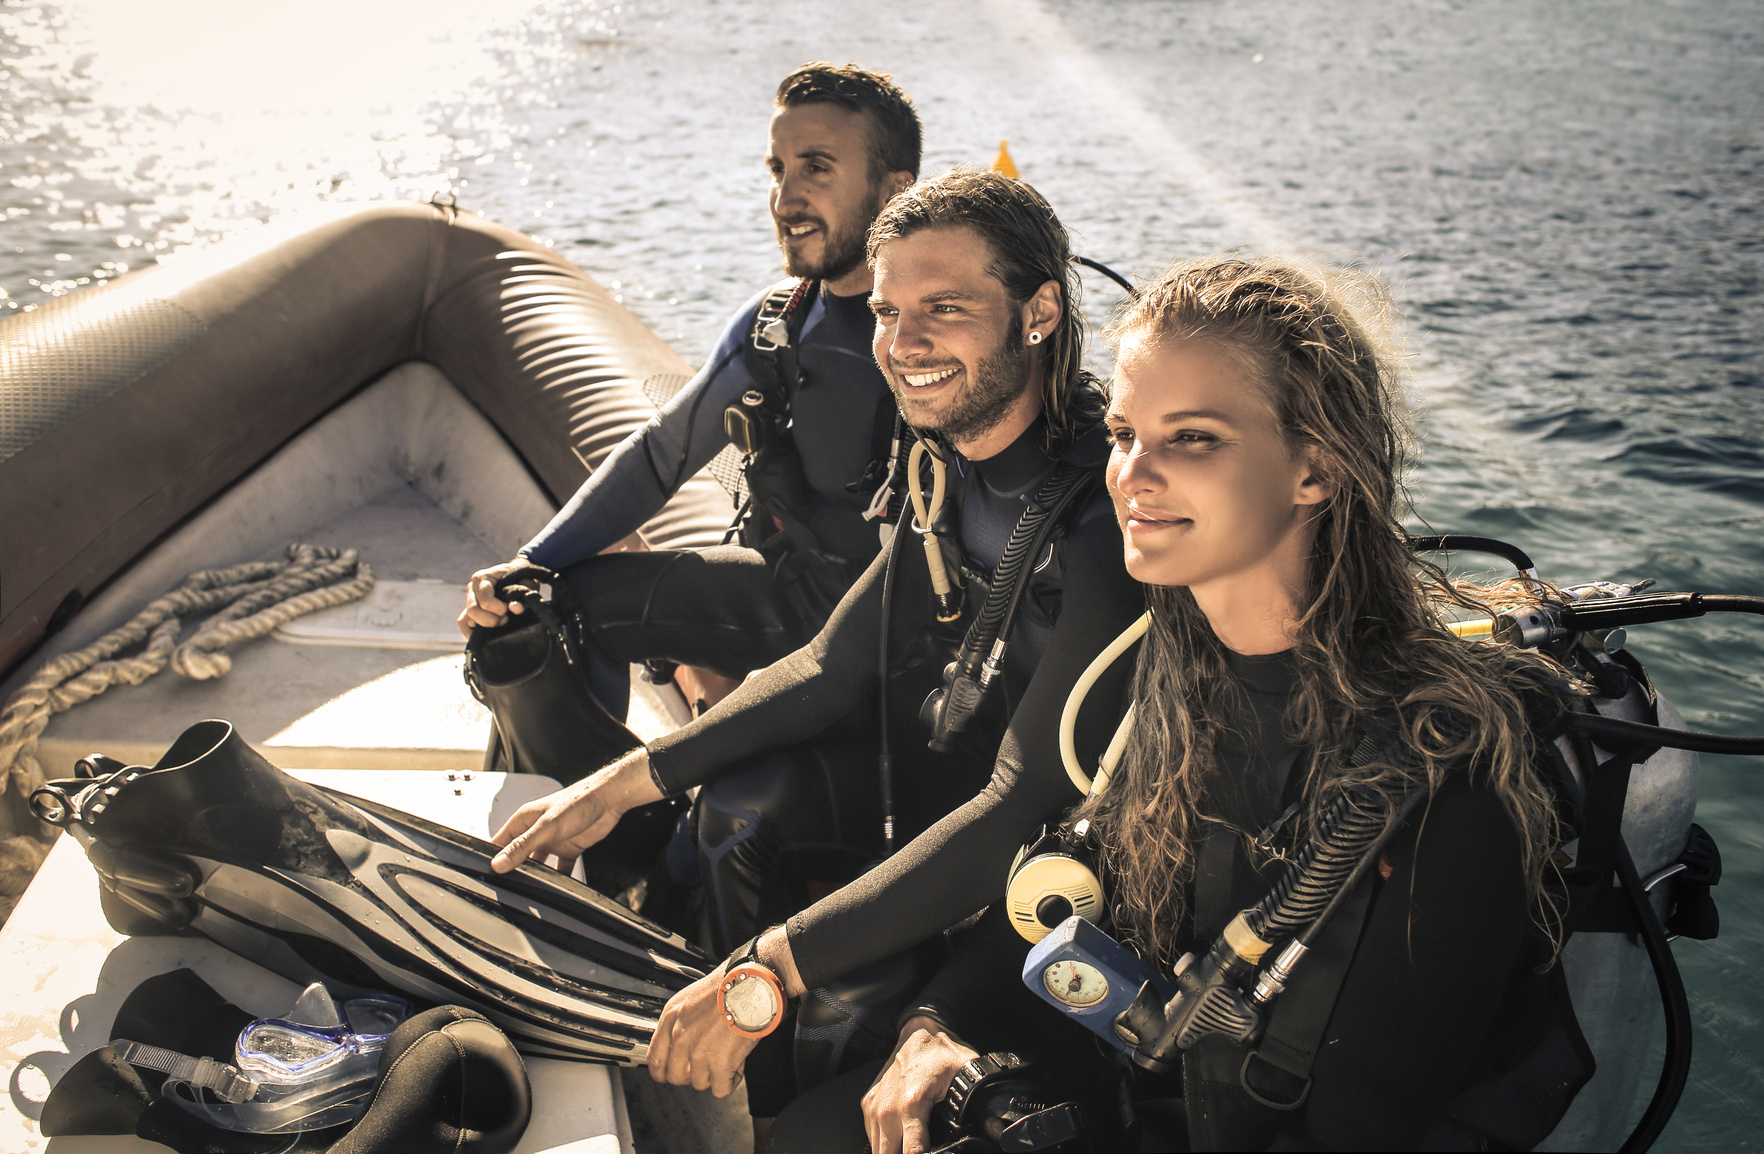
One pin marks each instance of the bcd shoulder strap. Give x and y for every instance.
(1277, 1074)
(770, 351)
(757, 423)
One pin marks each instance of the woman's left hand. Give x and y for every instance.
(897, 1107)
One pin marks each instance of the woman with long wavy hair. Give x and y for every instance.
(1258, 442)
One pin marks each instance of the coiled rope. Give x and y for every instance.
(252, 599)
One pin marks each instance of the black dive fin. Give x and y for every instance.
(533, 676)
(319, 886)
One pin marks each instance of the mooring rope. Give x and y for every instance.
(252, 598)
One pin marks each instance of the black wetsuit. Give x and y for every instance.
(729, 609)
(1443, 989)
(790, 756)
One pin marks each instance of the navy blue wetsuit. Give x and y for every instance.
(729, 609)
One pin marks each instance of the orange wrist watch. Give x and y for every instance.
(750, 996)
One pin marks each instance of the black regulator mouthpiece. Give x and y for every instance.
(948, 711)
(1209, 1000)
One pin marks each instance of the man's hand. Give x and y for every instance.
(482, 605)
(565, 823)
(897, 1107)
(694, 1046)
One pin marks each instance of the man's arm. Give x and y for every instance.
(910, 896)
(634, 481)
(646, 469)
(789, 701)
(779, 706)
(958, 865)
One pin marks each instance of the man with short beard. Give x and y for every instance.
(842, 142)
(979, 332)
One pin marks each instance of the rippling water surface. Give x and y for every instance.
(1566, 199)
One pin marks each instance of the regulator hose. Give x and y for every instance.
(1675, 1069)
(1099, 266)
(884, 758)
(1352, 829)
(1027, 540)
(1645, 734)
(1466, 543)
(983, 647)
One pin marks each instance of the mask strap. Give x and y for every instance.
(228, 1084)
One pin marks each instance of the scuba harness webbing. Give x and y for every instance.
(758, 423)
(981, 658)
(759, 426)
(968, 678)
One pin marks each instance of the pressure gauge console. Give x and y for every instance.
(1090, 977)
(1075, 983)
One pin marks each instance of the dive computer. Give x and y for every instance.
(750, 997)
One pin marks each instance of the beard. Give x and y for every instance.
(841, 252)
(992, 388)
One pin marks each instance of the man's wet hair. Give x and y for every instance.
(1029, 248)
(894, 126)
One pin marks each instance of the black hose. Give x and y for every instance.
(1675, 1070)
(1732, 603)
(1642, 733)
(997, 615)
(1370, 854)
(1356, 824)
(1646, 608)
(1099, 266)
(885, 759)
(1464, 543)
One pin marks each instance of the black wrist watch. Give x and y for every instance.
(750, 997)
(966, 1088)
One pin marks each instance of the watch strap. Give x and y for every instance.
(748, 957)
(974, 1076)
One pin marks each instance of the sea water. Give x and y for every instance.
(1565, 199)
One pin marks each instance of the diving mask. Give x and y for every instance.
(311, 1068)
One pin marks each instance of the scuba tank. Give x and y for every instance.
(1627, 772)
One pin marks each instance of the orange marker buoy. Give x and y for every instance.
(1004, 165)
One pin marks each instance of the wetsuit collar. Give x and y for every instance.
(1273, 674)
(1019, 466)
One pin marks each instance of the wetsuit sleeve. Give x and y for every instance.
(789, 701)
(976, 989)
(958, 865)
(1445, 935)
(646, 469)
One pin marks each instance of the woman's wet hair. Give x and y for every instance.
(895, 136)
(1369, 638)
(1029, 247)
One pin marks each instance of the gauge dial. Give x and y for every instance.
(1075, 983)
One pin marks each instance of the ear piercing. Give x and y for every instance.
(1034, 338)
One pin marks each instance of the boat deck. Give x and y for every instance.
(413, 476)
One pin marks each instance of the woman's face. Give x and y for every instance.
(1208, 492)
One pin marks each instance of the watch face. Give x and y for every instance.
(751, 1001)
(1075, 983)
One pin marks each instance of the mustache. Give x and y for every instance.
(789, 221)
